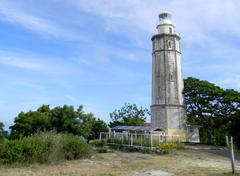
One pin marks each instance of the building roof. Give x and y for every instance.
(136, 128)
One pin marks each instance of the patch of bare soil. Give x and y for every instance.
(180, 163)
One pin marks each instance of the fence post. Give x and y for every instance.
(151, 138)
(227, 141)
(131, 139)
(232, 155)
(230, 147)
(107, 137)
(100, 136)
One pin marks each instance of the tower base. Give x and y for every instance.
(168, 117)
(183, 134)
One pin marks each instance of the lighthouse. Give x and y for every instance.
(167, 109)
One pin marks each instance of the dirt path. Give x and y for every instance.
(222, 151)
(181, 163)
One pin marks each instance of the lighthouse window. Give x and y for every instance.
(170, 30)
(171, 70)
(169, 44)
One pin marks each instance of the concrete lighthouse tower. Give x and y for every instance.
(167, 109)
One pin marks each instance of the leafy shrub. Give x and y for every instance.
(97, 143)
(102, 150)
(44, 147)
(117, 146)
(75, 148)
(168, 147)
(24, 150)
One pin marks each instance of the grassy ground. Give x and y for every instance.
(183, 162)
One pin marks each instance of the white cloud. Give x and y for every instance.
(2, 103)
(18, 61)
(194, 19)
(198, 21)
(11, 12)
(231, 80)
(43, 64)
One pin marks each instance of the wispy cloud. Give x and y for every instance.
(2, 103)
(195, 20)
(11, 12)
(229, 80)
(43, 64)
(18, 61)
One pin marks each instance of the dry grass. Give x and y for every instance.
(185, 162)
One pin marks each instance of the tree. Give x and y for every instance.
(98, 126)
(65, 119)
(210, 107)
(129, 115)
(234, 128)
(3, 133)
(90, 126)
(28, 123)
(60, 119)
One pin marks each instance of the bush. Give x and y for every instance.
(102, 150)
(97, 143)
(75, 148)
(43, 148)
(117, 146)
(168, 147)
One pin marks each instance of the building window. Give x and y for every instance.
(169, 44)
(170, 30)
(171, 72)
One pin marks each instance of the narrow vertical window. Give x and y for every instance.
(158, 91)
(170, 30)
(171, 71)
(169, 44)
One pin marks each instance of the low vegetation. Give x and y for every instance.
(97, 143)
(168, 147)
(44, 148)
(102, 150)
(182, 163)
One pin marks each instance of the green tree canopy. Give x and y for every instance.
(210, 107)
(234, 128)
(3, 133)
(129, 115)
(60, 119)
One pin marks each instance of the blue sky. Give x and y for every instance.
(98, 53)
